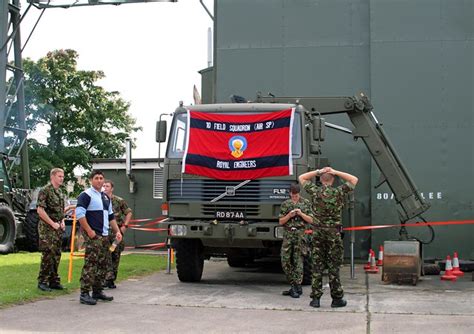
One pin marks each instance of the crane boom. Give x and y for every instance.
(366, 126)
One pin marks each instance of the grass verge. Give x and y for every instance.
(19, 272)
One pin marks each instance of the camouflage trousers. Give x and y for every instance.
(95, 263)
(50, 241)
(327, 252)
(113, 259)
(292, 256)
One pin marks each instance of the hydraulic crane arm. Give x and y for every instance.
(366, 126)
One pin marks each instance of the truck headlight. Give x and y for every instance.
(279, 230)
(178, 230)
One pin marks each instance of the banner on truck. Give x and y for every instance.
(237, 146)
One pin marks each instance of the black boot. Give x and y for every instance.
(100, 295)
(299, 289)
(44, 287)
(286, 292)
(294, 292)
(110, 284)
(338, 302)
(314, 303)
(56, 286)
(85, 298)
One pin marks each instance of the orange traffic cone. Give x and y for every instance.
(367, 266)
(380, 257)
(456, 270)
(373, 266)
(448, 273)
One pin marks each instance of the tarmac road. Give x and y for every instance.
(249, 300)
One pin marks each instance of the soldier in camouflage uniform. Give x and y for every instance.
(328, 249)
(50, 208)
(122, 214)
(295, 215)
(94, 212)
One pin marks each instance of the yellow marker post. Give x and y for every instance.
(71, 252)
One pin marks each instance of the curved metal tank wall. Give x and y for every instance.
(413, 58)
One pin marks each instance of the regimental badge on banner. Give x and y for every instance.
(239, 147)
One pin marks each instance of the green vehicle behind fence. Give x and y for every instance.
(14, 210)
(239, 219)
(18, 217)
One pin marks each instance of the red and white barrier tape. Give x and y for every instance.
(151, 246)
(156, 221)
(150, 229)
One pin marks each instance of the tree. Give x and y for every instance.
(83, 120)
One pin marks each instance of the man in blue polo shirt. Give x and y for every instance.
(94, 213)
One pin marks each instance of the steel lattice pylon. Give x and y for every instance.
(12, 97)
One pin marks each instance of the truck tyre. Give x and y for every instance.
(307, 272)
(189, 260)
(31, 231)
(7, 230)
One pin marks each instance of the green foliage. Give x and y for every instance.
(19, 274)
(84, 121)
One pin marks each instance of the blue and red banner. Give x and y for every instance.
(239, 147)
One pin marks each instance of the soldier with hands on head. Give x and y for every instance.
(295, 215)
(328, 248)
(122, 214)
(94, 213)
(50, 208)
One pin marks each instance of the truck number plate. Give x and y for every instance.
(230, 214)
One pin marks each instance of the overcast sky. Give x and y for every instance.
(150, 53)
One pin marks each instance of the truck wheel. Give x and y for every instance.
(189, 260)
(31, 231)
(7, 230)
(307, 272)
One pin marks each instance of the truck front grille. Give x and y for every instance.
(205, 190)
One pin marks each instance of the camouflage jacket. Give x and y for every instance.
(328, 201)
(52, 201)
(303, 204)
(120, 208)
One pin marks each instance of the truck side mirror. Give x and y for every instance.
(319, 129)
(160, 131)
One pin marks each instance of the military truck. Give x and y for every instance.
(239, 219)
(16, 226)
